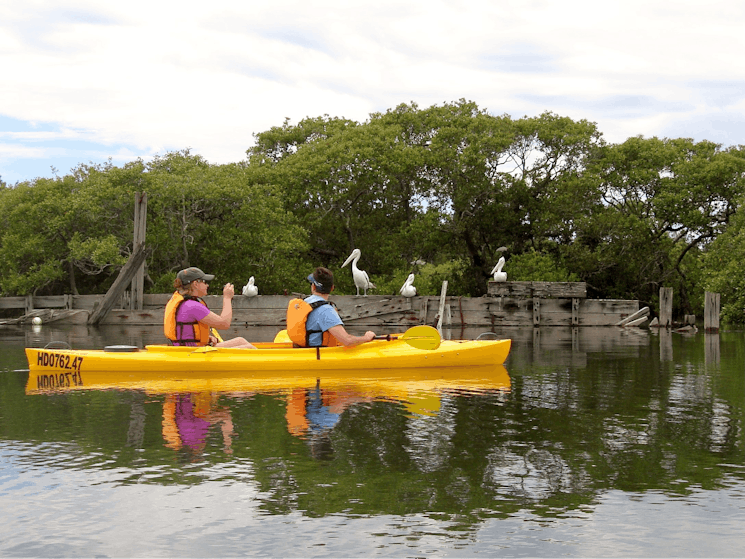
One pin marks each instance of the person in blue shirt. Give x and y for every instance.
(324, 318)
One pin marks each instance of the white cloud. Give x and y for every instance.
(159, 75)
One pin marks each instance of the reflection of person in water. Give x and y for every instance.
(187, 419)
(320, 416)
(313, 413)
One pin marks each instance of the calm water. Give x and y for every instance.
(595, 442)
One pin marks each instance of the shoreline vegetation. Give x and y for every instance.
(441, 192)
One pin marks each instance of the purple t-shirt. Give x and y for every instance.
(189, 311)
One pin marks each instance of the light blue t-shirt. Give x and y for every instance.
(321, 318)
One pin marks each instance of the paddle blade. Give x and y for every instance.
(216, 334)
(282, 337)
(204, 349)
(422, 337)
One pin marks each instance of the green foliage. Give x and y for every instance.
(428, 279)
(663, 201)
(57, 235)
(537, 266)
(27, 262)
(724, 269)
(95, 254)
(448, 184)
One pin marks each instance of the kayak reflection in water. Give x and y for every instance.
(187, 419)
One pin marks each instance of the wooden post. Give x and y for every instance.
(536, 311)
(443, 294)
(575, 311)
(120, 284)
(666, 307)
(423, 311)
(711, 312)
(138, 283)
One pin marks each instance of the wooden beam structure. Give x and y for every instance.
(140, 227)
(120, 284)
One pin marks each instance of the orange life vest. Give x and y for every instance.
(172, 328)
(297, 315)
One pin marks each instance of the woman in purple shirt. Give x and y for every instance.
(188, 320)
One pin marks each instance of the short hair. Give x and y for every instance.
(324, 279)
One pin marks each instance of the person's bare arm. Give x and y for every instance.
(223, 320)
(347, 339)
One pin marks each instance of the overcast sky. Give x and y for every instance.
(83, 81)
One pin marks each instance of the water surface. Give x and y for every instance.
(591, 442)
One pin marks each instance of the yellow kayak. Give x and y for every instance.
(396, 353)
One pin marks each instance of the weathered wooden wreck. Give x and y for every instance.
(506, 304)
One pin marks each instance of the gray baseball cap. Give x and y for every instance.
(190, 274)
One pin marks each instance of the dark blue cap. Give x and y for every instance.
(315, 282)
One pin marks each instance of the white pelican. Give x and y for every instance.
(250, 290)
(408, 289)
(360, 276)
(499, 275)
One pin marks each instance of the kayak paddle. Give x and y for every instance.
(420, 337)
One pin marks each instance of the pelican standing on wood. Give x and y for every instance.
(408, 289)
(250, 290)
(499, 275)
(360, 276)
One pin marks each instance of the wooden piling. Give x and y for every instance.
(443, 298)
(666, 307)
(711, 312)
(138, 282)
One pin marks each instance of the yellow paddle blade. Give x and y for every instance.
(204, 349)
(422, 337)
(216, 334)
(282, 337)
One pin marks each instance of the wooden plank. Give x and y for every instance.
(50, 301)
(86, 302)
(263, 302)
(374, 308)
(540, 289)
(120, 284)
(575, 311)
(378, 311)
(423, 310)
(12, 302)
(562, 290)
(605, 312)
(633, 317)
(156, 299)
